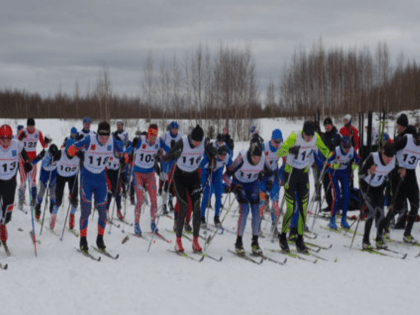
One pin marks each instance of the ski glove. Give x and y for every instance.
(135, 142)
(27, 166)
(47, 140)
(237, 189)
(22, 135)
(71, 151)
(354, 167)
(294, 150)
(335, 166)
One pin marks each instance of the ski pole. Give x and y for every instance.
(32, 215)
(209, 183)
(114, 196)
(75, 183)
(47, 195)
(286, 186)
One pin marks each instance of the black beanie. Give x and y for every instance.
(327, 121)
(197, 134)
(389, 149)
(309, 128)
(402, 120)
(104, 129)
(255, 149)
(30, 122)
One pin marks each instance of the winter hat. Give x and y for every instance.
(327, 121)
(173, 125)
(346, 142)
(19, 128)
(30, 122)
(255, 149)
(73, 130)
(309, 128)
(220, 138)
(389, 149)
(197, 134)
(104, 129)
(153, 130)
(222, 150)
(87, 120)
(277, 135)
(402, 120)
(347, 117)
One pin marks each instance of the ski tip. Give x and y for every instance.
(336, 259)
(125, 239)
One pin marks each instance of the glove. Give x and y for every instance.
(354, 167)
(27, 166)
(80, 137)
(226, 189)
(135, 142)
(294, 150)
(177, 154)
(211, 151)
(269, 185)
(335, 166)
(261, 175)
(47, 140)
(71, 151)
(122, 161)
(41, 154)
(172, 143)
(229, 172)
(237, 189)
(22, 135)
(80, 154)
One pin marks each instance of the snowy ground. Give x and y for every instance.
(61, 281)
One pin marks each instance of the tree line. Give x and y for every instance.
(221, 89)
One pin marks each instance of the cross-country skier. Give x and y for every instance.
(11, 150)
(30, 136)
(269, 185)
(339, 162)
(47, 177)
(248, 168)
(146, 148)
(298, 148)
(373, 175)
(188, 153)
(98, 151)
(214, 173)
(67, 171)
(170, 138)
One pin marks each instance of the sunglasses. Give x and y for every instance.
(6, 138)
(277, 141)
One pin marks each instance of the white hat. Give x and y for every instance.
(347, 117)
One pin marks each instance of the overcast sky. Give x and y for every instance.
(47, 45)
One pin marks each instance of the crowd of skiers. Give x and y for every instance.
(99, 166)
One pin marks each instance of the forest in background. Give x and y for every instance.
(223, 89)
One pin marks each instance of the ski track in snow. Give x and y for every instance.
(62, 281)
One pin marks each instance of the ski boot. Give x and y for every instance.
(137, 229)
(344, 224)
(332, 224)
(367, 246)
(52, 221)
(178, 245)
(120, 215)
(300, 245)
(217, 222)
(153, 227)
(409, 239)
(255, 247)
(37, 211)
(283, 243)
(100, 242)
(196, 245)
(239, 247)
(380, 243)
(83, 244)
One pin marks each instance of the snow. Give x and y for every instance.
(61, 281)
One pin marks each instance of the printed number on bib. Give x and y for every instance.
(98, 161)
(9, 167)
